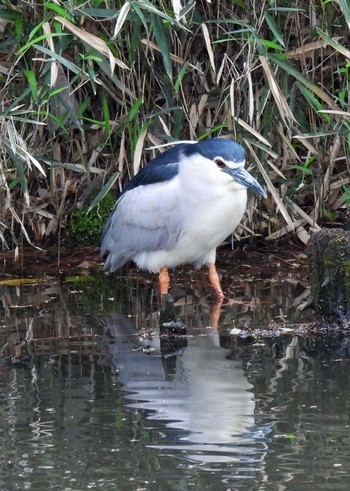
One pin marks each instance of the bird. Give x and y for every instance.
(179, 208)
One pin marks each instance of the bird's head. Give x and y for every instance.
(227, 158)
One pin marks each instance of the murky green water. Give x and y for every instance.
(91, 397)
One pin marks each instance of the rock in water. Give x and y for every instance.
(329, 265)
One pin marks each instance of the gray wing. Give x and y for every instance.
(144, 219)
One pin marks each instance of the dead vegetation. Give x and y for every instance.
(88, 88)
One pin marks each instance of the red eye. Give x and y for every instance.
(220, 163)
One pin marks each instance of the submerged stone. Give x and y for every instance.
(329, 265)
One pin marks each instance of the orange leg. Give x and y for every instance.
(215, 281)
(215, 313)
(164, 281)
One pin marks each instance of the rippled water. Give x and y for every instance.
(92, 397)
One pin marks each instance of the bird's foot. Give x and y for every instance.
(219, 295)
(215, 282)
(215, 313)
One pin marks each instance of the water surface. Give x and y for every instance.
(93, 397)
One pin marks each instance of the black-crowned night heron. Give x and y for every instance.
(179, 208)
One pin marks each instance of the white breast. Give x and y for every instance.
(209, 219)
(209, 207)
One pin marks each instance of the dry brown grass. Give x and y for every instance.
(85, 92)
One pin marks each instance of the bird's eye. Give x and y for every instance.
(220, 163)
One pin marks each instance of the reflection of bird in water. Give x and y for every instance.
(179, 208)
(204, 400)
